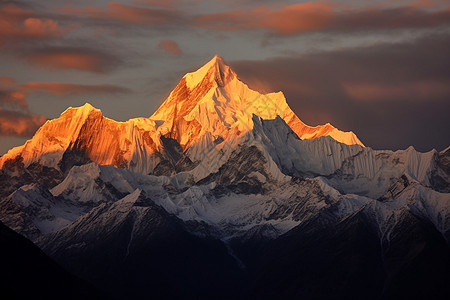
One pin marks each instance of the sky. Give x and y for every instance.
(378, 68)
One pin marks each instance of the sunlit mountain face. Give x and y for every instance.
(209, 104)
(224, 193)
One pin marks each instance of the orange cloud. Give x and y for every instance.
(62, 88)
(316, 16)
(123, 13)
(288, 19)
(41, 27)
(73, 58)
(170, 47)
(299, 17)
(17, 25)
(13, 123)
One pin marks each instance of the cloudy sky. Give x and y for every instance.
(378, 68)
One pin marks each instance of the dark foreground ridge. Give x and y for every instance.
(27, 273)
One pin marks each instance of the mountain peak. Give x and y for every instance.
(207, 105)
(85, 109)
(87, 106)
(217, 62)
(217, 59)
(214, 70)
(213, 100)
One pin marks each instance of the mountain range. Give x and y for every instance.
(225, 193)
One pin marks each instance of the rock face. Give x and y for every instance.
(224, 193)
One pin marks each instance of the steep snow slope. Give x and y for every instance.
(351, 169)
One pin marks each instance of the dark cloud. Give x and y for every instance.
(323, 16)
(170, 47)
(391, 95)
(78, 58)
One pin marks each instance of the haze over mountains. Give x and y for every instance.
(224, 192)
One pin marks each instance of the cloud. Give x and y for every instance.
(13, 99)
(63, 88)
(17, 123)
(170, 47)
(15, 117)
(84, 59)
(122, 13)
(41, 27)
(288, 19)
(10, 97)
(391, 95)
(324, 16)
(20, 25)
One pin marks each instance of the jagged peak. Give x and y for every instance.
(84, 110)
(85, 107)
(217, 62)
(216, 68)
(217, 59)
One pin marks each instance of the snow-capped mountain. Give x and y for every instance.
(206, 106)
(224, 182)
